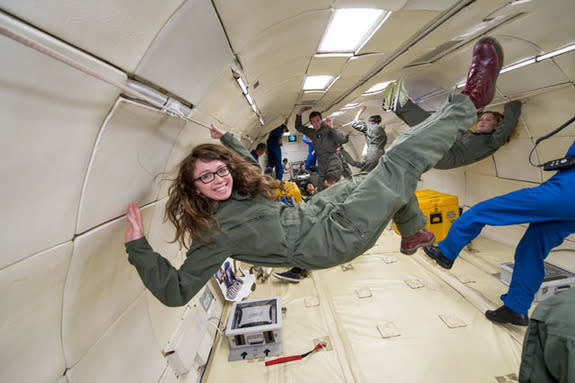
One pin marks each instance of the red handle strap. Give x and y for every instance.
(293, 357)
(283, 360)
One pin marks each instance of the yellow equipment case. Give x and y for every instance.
(440, 209)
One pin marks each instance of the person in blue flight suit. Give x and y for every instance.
(310, 160)
(549, 209)
(275, 150)
(259, 151)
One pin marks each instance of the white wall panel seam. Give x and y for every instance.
(35, 254)
(89, 169)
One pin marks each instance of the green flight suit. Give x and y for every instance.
(334, 227)
(346, 160)
(470, 147)
(375, 140)
(549, 346)
(325, 142)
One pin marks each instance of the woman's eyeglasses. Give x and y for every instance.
(210, 177)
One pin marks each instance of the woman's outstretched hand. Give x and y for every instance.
(135, 227)
(216, 132)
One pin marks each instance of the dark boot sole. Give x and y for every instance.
(495, 319)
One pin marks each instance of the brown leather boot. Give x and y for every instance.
(486, 63)
(409, 245)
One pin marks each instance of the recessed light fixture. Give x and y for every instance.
(377, 88)
(517, 65)
(556, 52)
(243, 86)
(326, 55)
(349, 28)
(317, 82)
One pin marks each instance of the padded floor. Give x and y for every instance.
(389, 317)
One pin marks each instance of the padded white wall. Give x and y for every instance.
(74, 154)
(50, 116)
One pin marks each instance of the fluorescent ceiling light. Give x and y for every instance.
(254, 108)
(324, 55)
(517, 2)
(348, 28)
(557, 52)
(378, 87)
(250, 99)
(316, 82)
(335, 114)
(261, 121)
(387, 14)
(517, 65)
(242, 85)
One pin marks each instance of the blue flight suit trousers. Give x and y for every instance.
(275, 161)
(549, 209)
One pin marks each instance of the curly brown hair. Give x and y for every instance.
(192, 213)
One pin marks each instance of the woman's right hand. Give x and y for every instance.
(135, 227)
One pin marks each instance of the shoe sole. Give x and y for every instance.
(499, 50)
(281, 277)
(494, 319)
(432, 256)
(386, 106)
(414, 249)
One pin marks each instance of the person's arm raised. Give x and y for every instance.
(230, 141)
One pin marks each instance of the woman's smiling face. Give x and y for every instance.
(219, 188)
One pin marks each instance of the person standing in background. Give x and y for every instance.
(274, 144)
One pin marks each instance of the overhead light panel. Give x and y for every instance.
(250, 99)
(377, 88)
(238, 76)
(348, 29)
(326, 55)
(317, 82)
(243, 86)
(517, 65)
(556, 52)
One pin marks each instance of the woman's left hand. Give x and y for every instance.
(216, 132)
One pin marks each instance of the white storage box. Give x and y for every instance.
(254, 329)
(557, 279)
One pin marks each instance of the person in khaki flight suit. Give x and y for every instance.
(220, 202)
(549, 345)
(325, 139)
(375, 139)
(492, 130)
